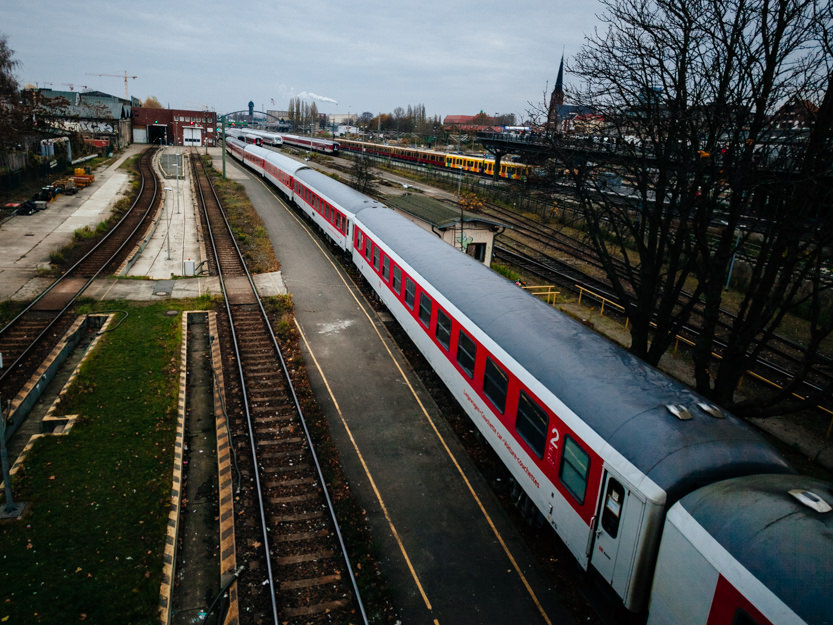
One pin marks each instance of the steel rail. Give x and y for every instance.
(296, 402)
(6, 371)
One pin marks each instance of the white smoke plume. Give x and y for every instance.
(315, 96)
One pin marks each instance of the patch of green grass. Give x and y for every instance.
(245, 222)
(505, 271)
(281, 310)
(90, 545)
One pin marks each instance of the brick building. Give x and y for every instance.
(174, 127)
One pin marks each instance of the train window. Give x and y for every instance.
(368, 252)
(532, 423)
(443, 331)
(359, 240)
(495, 383)
(385, 266)
(575, 469)
(425, 305)
(376, 258)
(466, 352)
(410, 293)
(397, 279)
(614, 499)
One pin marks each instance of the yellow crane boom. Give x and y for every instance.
(125, 76)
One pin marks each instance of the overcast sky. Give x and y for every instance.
(453, 56)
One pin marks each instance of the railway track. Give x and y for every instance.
(295, 568)
(28, 337)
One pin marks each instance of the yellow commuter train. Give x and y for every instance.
(473, 164)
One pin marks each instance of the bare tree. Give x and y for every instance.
(691, 160)
(11, 111)
(361, 174)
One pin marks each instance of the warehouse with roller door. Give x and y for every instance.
(174, 127)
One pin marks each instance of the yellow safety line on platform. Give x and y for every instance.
(366, 470)
(450, 454)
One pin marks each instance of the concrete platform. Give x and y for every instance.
(26, 242)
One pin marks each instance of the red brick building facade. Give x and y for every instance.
(174, 127)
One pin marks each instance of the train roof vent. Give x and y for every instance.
(811, 500)
(679, 411)
(711, 410)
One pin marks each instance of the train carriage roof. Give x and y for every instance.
(620, 397)
(337, 192)
(287, 164)
(783, 542)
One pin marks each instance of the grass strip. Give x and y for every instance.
(90, 545)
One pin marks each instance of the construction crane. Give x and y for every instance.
(126, 96)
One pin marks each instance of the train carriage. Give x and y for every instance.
(280, 170)
(472, 164)
(311, 143)
(253, 139)
(601, 443)
(268, 138)
(235, 147)
(628, 466)
(757, 551)
(330, 204)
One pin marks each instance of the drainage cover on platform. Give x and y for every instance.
(163, 287)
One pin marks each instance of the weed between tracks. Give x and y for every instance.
(351, 516)
(245, 223)
(83, 239)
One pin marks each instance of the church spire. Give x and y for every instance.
(558, 92)
(557, 97)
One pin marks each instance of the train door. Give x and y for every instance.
(618, 520)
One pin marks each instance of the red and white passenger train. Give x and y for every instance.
(681, 508)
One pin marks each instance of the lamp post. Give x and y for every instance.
(177, 184)
(223, 145)
(168, 218)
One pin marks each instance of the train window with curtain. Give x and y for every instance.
(376, 258)
(443, 331)
(466, 352)
(397, 279)
(532, 423)
(369, 250)
(410, 293)
(425, 305)
(495, 383)
(359, 240)
(386, 268)
(575, 469)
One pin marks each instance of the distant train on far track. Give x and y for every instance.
(278, 139)
(509, 170)
(678, 507)
(469, 163)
